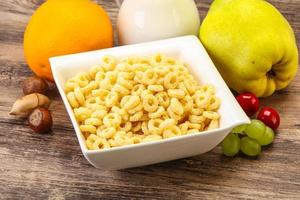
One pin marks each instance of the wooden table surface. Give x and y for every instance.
(52, 166)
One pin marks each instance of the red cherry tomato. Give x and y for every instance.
(269, 117)
(249, 102)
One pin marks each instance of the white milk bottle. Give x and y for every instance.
(148, 20)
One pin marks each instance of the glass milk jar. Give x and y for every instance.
(148, 20)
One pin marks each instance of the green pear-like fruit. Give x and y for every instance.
(251, 44)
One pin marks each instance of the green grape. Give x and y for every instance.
(256, 129)
(250, 147)
(267, 137)
(239, 129)
(231, 145)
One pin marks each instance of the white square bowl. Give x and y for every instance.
(190, 51)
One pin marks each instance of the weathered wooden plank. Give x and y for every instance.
(51, 166)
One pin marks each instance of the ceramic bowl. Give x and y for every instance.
(189, 50)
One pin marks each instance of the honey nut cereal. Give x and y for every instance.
(139, 99)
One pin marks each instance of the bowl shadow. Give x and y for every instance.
(176, 179)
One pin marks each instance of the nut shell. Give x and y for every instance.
(35, 85)
(25, 105)
(40, 120)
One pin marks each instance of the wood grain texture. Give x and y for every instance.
(52, 167)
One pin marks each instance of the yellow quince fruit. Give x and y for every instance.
(251, 44)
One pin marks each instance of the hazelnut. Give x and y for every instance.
(35, 85)
(40, 120)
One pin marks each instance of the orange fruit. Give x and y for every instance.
(61, 27)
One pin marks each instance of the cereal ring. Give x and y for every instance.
(197, 111)
(72, 100)
(130, 102)
(106, 133)
(190, 86)
(108, 63)
(157, 59)
(196, 119)
(82, 113)
(194, 126)
(166, 124)
(90, 141)
(100, 76)
(93, 121)
(173, 115)
(136, 117)
(213, 124)
(145, 128)
(161, 70)
(111, 99)
(89, 87)
(176, 93)
(184, 127)
(121, 89)
(159, 112)
(150, 103)
(137, 89)
(171, 80)
(214, 103)
(88, 128)
(202, 100)
(163, 99)
(100, 143)
(155, 88)
(135, 109)
(176, 106)
(128, 84)
(150, 77)
(126, 126)
(79, 96)
(112, 120)
(211, 115)
(153, 126)
(136, 126)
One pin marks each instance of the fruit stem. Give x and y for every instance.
(271, 73)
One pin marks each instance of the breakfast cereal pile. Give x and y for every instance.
(139, 99)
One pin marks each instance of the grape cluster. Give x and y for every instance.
(248, 139)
